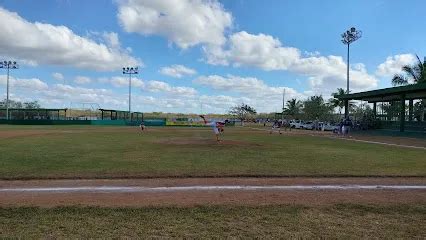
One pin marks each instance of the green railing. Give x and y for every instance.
(148, 122)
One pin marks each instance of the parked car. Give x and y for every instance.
(307, 125)
(330, 127)
(296, 124)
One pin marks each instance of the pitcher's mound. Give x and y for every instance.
(205, 141)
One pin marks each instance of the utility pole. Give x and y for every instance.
(282, 115)
(8, 65)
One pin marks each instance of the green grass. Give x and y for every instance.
(96, 152)
(283, 221)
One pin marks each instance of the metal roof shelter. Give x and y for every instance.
(401, 94)
(112, 114)
(34, 113)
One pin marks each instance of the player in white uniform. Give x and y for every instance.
(217, 127)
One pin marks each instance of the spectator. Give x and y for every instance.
(341, 127)
(347, 125)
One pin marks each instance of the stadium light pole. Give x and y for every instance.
(282, 115)
(349, 37)
(129, 71)
(8, 65)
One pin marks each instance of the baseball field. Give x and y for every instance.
(169, 166)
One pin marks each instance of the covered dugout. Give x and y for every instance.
(110, 114)
(34, 113)
(395, 95)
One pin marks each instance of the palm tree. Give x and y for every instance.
(415, 74)
(336, 102)
(294, 107)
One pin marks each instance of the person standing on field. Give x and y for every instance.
(142, 126)
(277, 125)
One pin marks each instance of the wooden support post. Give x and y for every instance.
(346, 108)
(410, 110)
(375, 110)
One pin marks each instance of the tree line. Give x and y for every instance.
(20, 105)
(316, 107)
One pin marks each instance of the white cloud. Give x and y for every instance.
(325, 73)
(17, 83)
(58, 76)
(41, 43)
(394, 64)
(156, 95)
(261, 51)
(82, 80)
(111, 39)
(177, 71)
(176, 99)
(183, 22)
(122, 81)
(158, 86)
(246, 86)
(62, 95)
(150, 86)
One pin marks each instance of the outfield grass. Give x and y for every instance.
(96, 152)
(337, 222)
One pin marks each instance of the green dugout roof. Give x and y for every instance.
(36, 109)
(413, 91)
(118, 111)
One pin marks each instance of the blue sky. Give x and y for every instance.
(202, 56)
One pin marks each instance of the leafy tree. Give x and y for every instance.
(418, 109)
(392, 110)
(12, 104)
(416, 74)
(31, 105)
(364, 116)
(336, 102)
(294, 108)
(242, 112)
(316, 108)
(18, 104)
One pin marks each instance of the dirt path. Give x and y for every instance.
(191, 196)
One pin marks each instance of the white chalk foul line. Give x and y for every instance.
(355, 140)
(381, 143)
(118, 189)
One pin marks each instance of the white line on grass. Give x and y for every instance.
(118, 189)
(381, 143)
(355, 140)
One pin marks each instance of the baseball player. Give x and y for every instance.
(217, 127)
